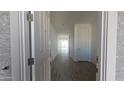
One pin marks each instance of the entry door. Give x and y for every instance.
(82, 42)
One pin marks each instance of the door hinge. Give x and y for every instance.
(31, 61)
(30, 17)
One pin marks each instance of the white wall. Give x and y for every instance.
(64, 24)
(5, 45)
(63, 27)
(120, 47)
(94, 40)
(88, 18)
(53, 36)
(53, 42)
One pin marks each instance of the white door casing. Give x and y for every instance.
(107, 58)
(19, 28)
(111, 45)
(24, 46)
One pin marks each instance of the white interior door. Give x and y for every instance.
(38, 47)
(83, 42)
(41, 46)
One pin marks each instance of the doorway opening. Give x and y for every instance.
(63, 44)
(78, 34)
(47, 26)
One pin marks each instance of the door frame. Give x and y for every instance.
(23, 46)
(15, 46)
(18, 46)
(108, 45)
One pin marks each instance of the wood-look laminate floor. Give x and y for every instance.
(65, 69)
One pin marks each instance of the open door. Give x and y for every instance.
(41, 46)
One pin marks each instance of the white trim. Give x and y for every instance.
(108, 46)
(111, 46)
(15, 56)
(22, 46)
(103, 48)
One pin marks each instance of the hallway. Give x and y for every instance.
(64, 68)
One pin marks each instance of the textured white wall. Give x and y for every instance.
(5, 58)
(120, 47)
